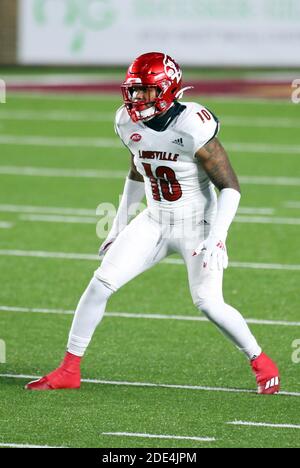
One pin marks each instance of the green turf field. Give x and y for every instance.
(59, 160)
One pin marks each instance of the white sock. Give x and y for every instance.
(88, 315)
(233, 325)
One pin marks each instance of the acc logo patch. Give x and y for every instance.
(136, 137)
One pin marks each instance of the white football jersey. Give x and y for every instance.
(175, 182)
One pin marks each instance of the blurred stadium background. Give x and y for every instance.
(238, 34)
(62, 62)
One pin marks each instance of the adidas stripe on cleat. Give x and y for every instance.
(267, 375)
(272, 383)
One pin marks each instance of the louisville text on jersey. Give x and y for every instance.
(160, 155)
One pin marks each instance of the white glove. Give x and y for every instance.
(213, 248)
(214, 253)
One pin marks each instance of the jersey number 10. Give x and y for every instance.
(204, 115)
(165, 178)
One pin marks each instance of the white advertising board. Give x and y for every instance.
(195, 32)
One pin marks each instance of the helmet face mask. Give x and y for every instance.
(141, 101)
(152, 84)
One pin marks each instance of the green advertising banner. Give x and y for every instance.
(196, 32)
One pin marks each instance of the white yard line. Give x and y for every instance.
(79, 116)
(28, 446)
(159, 436)
(292, 204)
(32, 140)
(5, 225)
(68, 96)
(152, 385)
(259, 122)
(255, 424)
(56, 255)
(269, 180)
(106, 174)
(58, 219)
(62, 142)
(47, 210)
(92, 212)
(255, 266)
(36, 310)
(128, 315)
(170, 261)
(61, 215)
(197, 319)
(57, 116)
(229, 99)
(264, 220)
(86, 220)
(255, 210)
(264, 148)
(56, 172)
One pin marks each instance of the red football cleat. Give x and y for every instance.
(267, 375)
(67, 376)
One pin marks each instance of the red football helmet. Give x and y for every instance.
(152, 70)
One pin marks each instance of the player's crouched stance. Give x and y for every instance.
(176, 160)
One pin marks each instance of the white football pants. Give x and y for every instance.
(141, 245)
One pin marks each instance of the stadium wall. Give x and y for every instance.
(8, 32)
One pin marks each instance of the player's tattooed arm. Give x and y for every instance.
(216, 164)
(134, 173)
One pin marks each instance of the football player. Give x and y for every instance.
(177, 161)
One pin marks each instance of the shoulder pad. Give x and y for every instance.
(122, 116)
(121, 119)
(200, 123)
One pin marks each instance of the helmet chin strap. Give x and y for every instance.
(148, 114)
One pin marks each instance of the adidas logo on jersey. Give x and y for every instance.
(179, 142)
